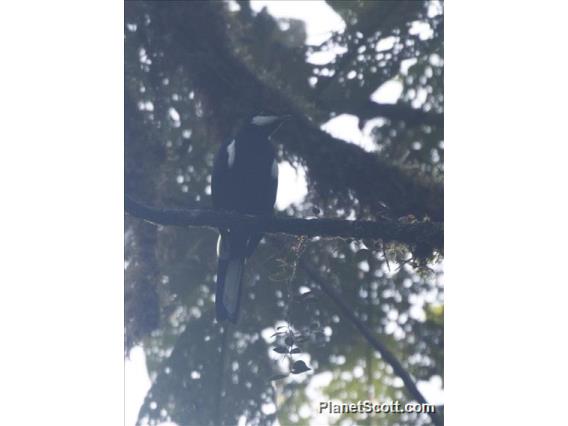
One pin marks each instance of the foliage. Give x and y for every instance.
(193, 70)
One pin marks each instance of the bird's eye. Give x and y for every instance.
(264, 120)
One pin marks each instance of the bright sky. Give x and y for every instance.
(137, 384)
(321, 21)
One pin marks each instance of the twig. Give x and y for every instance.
(219, 390)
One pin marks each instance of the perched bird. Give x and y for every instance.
(245, 180)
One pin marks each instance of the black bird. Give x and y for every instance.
(245, 180)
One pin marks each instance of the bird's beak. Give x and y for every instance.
(280, 121)
(283, 119)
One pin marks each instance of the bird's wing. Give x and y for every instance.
(221, 180)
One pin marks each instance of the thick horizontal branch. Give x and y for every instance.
(429, 234)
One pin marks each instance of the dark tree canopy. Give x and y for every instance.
(193, 72)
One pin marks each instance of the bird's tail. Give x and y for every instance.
(230, 270)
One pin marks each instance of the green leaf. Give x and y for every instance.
(299, 367)
(280, 349)
(278, 377)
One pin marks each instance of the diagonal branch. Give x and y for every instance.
(426, 235)
(386, 355)
(231, 88)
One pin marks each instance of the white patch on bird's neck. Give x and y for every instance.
(231, 151)
(274, 171)
(264, 120)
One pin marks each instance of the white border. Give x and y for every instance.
(61, 177)
(506, 212)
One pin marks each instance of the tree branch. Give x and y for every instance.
(231, 88)
(374, 16)
(428, 234)
(386, 355)
(369, 109)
